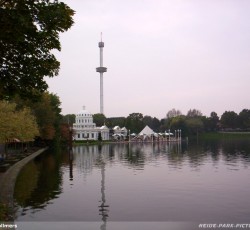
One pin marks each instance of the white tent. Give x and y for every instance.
(146, 131)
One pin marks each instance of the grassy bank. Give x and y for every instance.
(90, 142)
(225, 135)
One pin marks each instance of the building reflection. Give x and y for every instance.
(135, 155)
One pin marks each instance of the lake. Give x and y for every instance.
(157, 185)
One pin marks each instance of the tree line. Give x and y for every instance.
(191, 123)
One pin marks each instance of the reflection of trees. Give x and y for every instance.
(25, 183)
(234, 149)
(195, 153)
(39, 182)
(135, 156)
(41, 179)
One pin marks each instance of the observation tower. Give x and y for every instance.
(101, 70)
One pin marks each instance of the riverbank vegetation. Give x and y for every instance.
(29, 34)
(225, 135)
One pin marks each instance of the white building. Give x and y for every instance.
(120, 133)
(85, 129)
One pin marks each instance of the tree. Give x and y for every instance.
(29, 31)
(99, 119)
(20, 124)
(178, 122)
(135, 122)
(99, 136)
(47, 115)
(229, 120)
(152, 122)
(173, 113)
(211, 123)
(69, 119)
(194, 125)
(116, 121)
(194, 113)
(47, 112)
(244, 119)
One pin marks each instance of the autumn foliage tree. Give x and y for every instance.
(20, 124)
(46, 111)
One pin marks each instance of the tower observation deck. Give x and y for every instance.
(101, 70)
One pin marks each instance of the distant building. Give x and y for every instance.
(119, 133)
(85, 129)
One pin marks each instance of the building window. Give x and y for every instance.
(78, 135)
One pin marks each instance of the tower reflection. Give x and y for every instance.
(70, 152)
(103, 207)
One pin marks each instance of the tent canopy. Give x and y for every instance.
(147, 131)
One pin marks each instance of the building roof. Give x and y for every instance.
(104, 127)
(84, 113)
(146, 131)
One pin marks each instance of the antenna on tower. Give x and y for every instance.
(101, 36)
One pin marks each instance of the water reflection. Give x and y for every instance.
(138, 181)
(134, 155)
(70, 152)
(103, 207)
(39, 183)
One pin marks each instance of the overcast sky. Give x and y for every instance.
(160, 54)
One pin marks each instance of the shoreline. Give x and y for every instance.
(8, 181)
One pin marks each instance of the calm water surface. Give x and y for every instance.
(199, 182)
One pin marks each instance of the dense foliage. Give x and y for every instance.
(29, 31)
(26, 120)
(47, 112)
(20, 124)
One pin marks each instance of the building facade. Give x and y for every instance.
(85, 129)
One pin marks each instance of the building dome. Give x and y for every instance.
(84, 113)
(84, 119)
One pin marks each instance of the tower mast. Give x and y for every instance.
(101, 70)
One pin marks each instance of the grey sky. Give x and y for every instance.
(160, 54)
